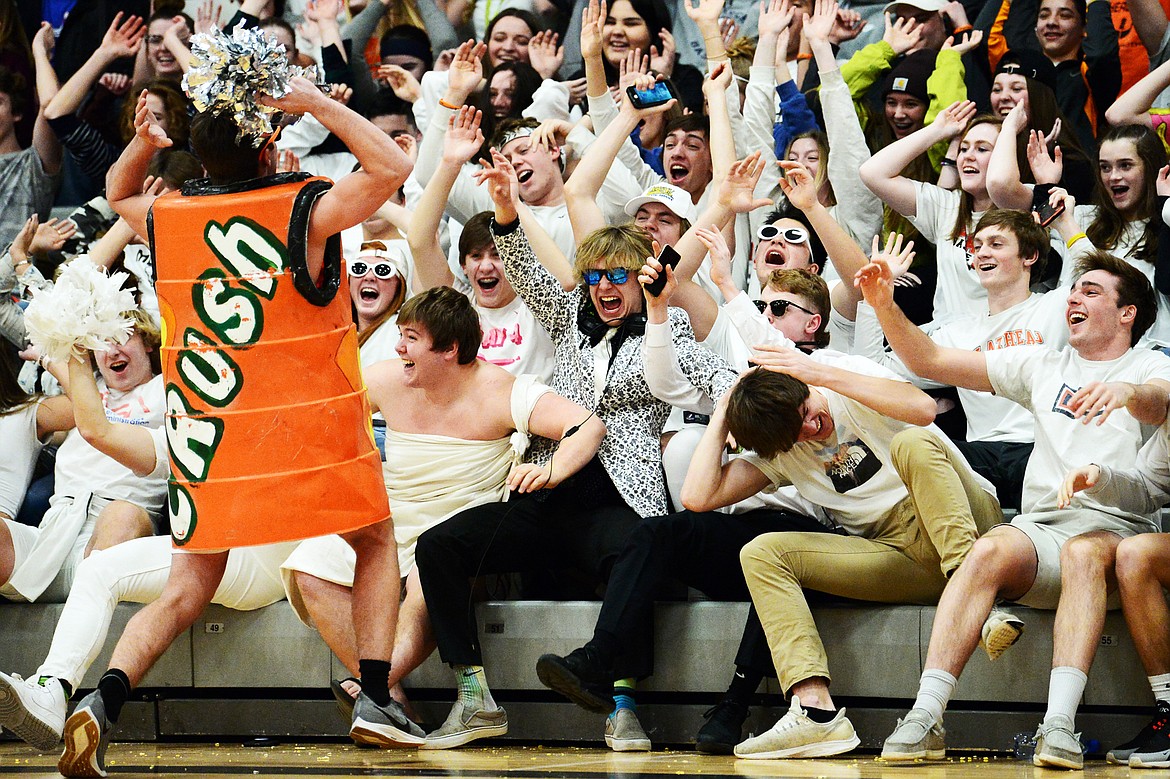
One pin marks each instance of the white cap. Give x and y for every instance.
(925, 5)
(374, 252)
(676, 199)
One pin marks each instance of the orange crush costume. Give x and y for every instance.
(268, 424)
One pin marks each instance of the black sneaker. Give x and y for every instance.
(581, 677)
(724, 728)
(1152, 738)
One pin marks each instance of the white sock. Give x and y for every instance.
(1066, 685)
(1160, 684)
(935, 689)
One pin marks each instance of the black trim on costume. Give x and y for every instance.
(150, 243)
(298, 246)
(196, 187)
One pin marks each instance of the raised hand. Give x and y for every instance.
(51, 236)
(21, 246)
(847, 25)
(818, 26)
(718, 79)
(896, 257)
(662, 62)
(968, 41)
(592, 24)
(44, 42)
(902, 34)
(444, 60)
(543, 54)
(287, 161)
(876, 280)
(552, 133)
(951, 122)
(409, 145)
(634, 64)
(464, 138)
(642, 82)
(208, 16)
(719, 253)
(323, 10)
(728, 30)
(500, 177)
(737, 191)
(466, 70)
(706, 12)
(1016, 119)
(123, 39)
(302, 97)
(651, 270)
(785, 359)
(775, 16)
(401, 81)
(1046, 169)
(115, 83)
(1100, 399)
(798, 185)
(147, 127)
(341, 93)
(178, 33)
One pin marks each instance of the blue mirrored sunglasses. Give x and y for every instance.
(615, 275)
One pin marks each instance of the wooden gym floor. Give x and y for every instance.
(125, 760)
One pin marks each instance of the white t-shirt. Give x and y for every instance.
(958, 290)
(82, 469)
(1039, 320)
(512, 338)
(18, 440)
(851, 474)
(1043, 381)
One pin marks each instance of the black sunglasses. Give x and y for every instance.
(779, 307)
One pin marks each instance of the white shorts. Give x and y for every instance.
(1048, 531)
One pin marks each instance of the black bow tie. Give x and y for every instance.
(595, 330)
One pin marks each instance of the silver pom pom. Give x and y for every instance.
(229, 73)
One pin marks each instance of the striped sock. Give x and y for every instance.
(623, 695)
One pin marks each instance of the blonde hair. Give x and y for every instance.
(146, 326)
(613, 246)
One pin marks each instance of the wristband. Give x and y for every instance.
(445, 104)
(1074, 239)
(962, 29)
(947, 162)
(804, 55)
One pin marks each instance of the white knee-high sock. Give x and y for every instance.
(1066, 685)
(934, 692)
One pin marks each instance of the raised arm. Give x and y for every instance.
(1133, 105)
(1003, 169)
(357, 195)
(722, 143)
(464, 139)
(882, 172)
(583, 186)
(1150, 22)
(126, 177)
(43, 44)
(122, 39)
(130, 445)
(710, 484)
(927, 359)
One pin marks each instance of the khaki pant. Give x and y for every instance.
(907, 557)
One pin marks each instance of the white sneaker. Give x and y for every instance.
(1001, 629)
(33, 711)
(795, 735)
(623, 732)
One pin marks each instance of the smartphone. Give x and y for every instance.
(669, 259)
(1042, 208)
(661, 92)
(1048, 214)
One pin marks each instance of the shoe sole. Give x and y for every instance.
(1055, 761)
(557, 678)
(627, 744)
(383, 736)
(820, 749)
(1135, 761)
(83, 738)
(16, 717)
(922, 754)
(465, 737)
(1114, 759)
(1005, 635)
(345, 701)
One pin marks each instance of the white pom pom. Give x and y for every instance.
(85, 309)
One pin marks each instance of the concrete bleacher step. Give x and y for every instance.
(201, 686)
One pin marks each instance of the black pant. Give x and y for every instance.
(583, 523)
(1002, 463)
(702, 550)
